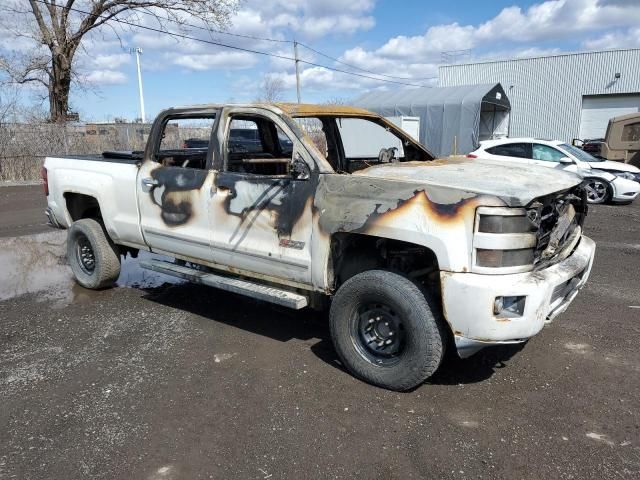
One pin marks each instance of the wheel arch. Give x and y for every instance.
(80, 205)
(353, 253)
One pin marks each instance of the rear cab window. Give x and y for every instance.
(184, 141)
(519, 150)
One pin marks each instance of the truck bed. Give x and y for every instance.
(114, 157)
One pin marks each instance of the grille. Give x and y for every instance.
(559, 217)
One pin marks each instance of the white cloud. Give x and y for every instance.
(318, 27)
(555, 19)
(309, 18)
(512, 32)
(618, 39)
(105, 77)
(418, 56)
(224, 60)
(111, 61)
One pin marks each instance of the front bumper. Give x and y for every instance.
(624, 190)
(468, 300)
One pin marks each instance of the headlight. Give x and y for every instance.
(507, 224)
(626, 175)
(504, 258)
(505, 239)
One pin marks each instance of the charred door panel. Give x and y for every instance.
(263, 224)
(173, 205)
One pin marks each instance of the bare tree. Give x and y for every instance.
(8, 105)
(337, 101)
(58, 28)
(271, 89)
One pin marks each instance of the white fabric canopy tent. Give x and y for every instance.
(452, 119)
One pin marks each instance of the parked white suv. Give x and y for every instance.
(605, 180)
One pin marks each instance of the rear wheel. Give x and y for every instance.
(94, 259)
(385, 330)
(598, 190)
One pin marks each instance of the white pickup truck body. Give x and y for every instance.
(500, 246)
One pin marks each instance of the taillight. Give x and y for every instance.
(471, 155)
(45, 180)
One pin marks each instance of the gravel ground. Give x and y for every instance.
(154, 380)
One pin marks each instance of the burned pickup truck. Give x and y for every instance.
(335, 207)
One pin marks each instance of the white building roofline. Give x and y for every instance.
(537, 57)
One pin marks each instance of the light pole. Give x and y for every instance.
(295, 54)
(138, 52)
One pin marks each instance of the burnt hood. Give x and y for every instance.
(516, 184)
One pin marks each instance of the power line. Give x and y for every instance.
(267, 39)
(359, 68)
(207, 29)
(234, 47)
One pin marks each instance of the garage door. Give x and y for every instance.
(598, 109)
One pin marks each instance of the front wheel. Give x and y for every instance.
(94, 259)
(385, 330)
(598, 190)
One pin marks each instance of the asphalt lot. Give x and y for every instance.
(22, 210)
(159, 381)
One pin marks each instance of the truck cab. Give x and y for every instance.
(622, 141)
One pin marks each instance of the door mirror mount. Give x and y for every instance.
(299, 169)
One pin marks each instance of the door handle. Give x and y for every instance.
(225, 190)
(149, 182)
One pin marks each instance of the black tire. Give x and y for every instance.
(595, 194)
(388, 299)
(94, 259)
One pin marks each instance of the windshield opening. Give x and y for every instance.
(354, 143)
(579, 153)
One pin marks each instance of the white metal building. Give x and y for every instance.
(562, 96)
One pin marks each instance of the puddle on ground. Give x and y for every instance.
(134, 276)
(38, 264)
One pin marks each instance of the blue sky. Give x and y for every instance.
(397, 38)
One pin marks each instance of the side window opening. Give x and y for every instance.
(518, 150)
(185, 142)
(366, 142)
(315, 130)
(256, 145)
(631, 132)
(546, 153)
(364, 139)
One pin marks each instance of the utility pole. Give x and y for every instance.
(295, 54)
(138, 51)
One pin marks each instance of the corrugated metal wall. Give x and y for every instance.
(546, 92)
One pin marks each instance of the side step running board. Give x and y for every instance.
(235, 285)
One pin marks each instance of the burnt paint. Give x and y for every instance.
(294, 196)
(441, 212)
(358, 204)
(177, 184)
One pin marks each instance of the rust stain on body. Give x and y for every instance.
(311, 110)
